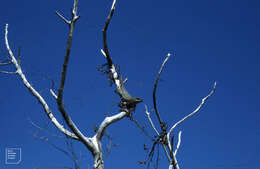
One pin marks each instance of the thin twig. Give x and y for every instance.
(19, 55)
(74, 156)
(43, 129)
(63, 18)
(6, 72)
(166, 152)
(53, 94)
(5, 63)
(157, 158)
(46, 139)
(195, 111)
(102, 51)
(150, 120)
(178, 144)
(142, 128)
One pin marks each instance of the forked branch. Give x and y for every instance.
(65, 115)
(108, 121)
(164, 136)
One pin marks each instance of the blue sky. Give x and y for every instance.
(213, 40)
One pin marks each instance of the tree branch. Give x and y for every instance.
(108, 121)
(155, 87)
(19, 55)
(106, 51)
(151, 122)
(6, 72)
(61, 107)
(178, 144)
(33, 91)
(63, 18)
(166, 152)
(195, 111)
(5, 63)
(53, 94)
(127, 101)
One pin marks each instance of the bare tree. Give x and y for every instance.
(127, 104)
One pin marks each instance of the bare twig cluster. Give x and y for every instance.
(163, 135)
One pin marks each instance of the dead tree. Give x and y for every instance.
(127, 104)
(163, 136)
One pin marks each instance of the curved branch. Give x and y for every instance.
(34, 92)
(108, 121)
(117, 80)
(106, 51)
(195, 111)
(155, 87)
(127, 101)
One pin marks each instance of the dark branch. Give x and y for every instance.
(109, 60)
(127, 101)
(19, 55)
(154, 92)
(61, 107)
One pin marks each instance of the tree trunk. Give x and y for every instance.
(98, 161)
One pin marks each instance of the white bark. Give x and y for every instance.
(195, 111)
(34, 92)
(151, 121)
(178, 144)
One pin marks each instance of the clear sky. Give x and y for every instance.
(214, 40)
